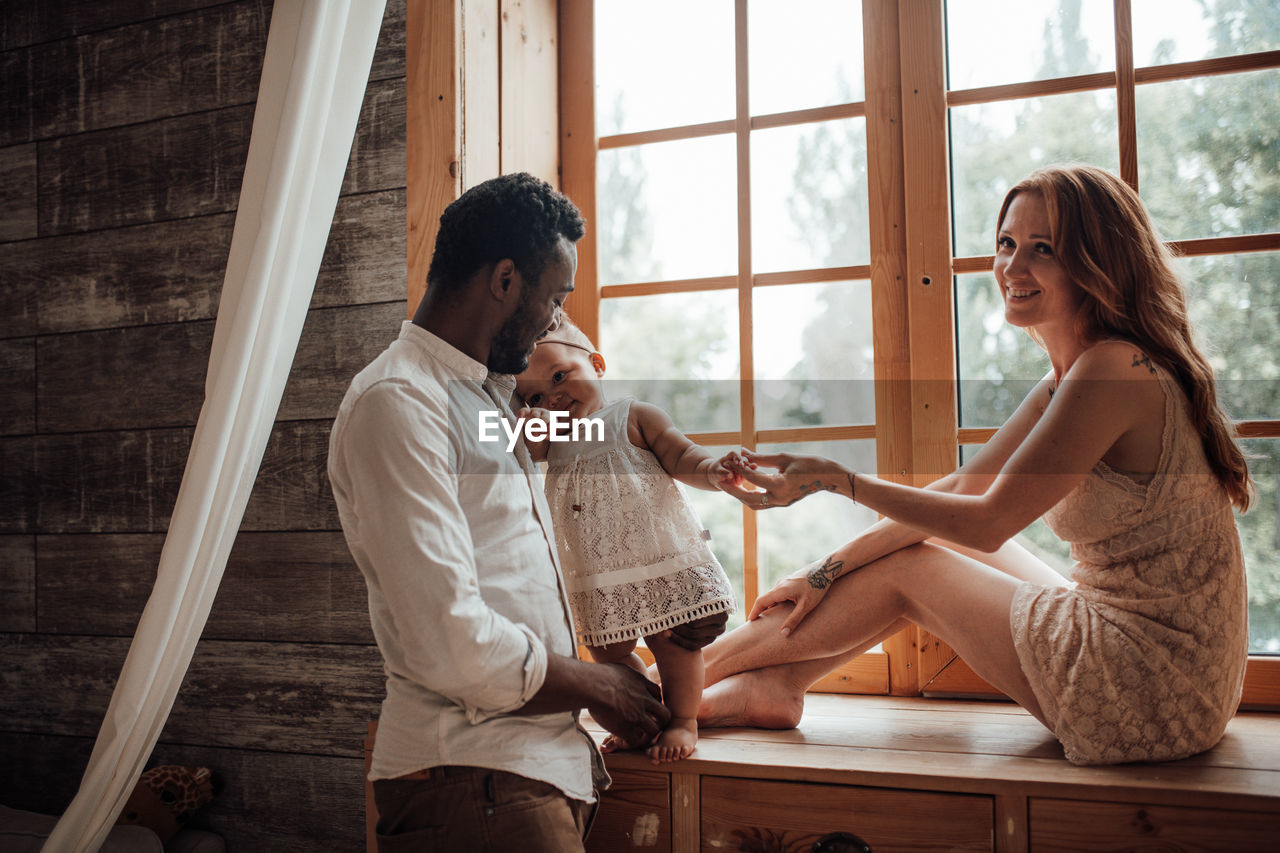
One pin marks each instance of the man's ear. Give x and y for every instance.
(505, 280)
(597, 361)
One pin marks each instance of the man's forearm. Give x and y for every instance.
(568, 686)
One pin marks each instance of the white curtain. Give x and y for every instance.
(313, 79)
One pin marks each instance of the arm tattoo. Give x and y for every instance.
(814, 487)
(1146, 359)
(823, 576)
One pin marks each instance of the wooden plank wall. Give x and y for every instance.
(123, 131)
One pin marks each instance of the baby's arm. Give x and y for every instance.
(651, 428)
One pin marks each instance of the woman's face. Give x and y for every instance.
(1035, 287)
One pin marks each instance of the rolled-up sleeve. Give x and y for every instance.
(414, 545)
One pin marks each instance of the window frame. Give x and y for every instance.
(906, 109)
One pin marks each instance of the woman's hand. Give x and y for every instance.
(797, 477)
(806, 589)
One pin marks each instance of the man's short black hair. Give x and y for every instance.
(513, 216)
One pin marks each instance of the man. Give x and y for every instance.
(478, 743)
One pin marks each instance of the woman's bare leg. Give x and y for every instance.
(682, 693)
(963, 600)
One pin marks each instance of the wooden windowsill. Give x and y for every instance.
(968, 746)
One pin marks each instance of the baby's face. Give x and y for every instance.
(562, 378)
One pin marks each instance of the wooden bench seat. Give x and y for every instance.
(912, 774)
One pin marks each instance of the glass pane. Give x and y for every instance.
(792, 537)
(722, 515)
(809, 196)
(1260, 534)
(1167, 31)
(678, 351)
(990, 42)
(667, 210)
(998, 363)
(814, 362)
(1037, 537)
(804, 54)
(1234, 304)
(1208, 155)
(993, 146)
(666, 65)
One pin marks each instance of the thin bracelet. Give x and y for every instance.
(851, 497)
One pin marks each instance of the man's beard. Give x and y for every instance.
(509, 352)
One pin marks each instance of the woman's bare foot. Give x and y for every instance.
(763, 698)
(676, 741)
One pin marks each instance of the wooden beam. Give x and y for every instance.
(433, 153)
(578, 152)
(529, 100)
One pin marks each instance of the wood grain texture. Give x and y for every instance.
(19, 485)
(1066, 826)
(432, 130)
(16, 118)
(378, 151)
(17, 584)
(83, 376)
(31, 23)
(169, 169)
(298, 587)
(203, 60)
(270, 801)
(172, 271)
(17, 192)
(635, 813)
(578, 152)
(388, 56)
(282, 697)
(529, 99)
(481, 75)
(784, 816)
(336, 344)
(127, 481)
(17, 386)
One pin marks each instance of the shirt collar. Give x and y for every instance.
(453, 358)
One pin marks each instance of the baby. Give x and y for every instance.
(635, 556)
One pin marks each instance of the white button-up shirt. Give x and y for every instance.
(454, 538)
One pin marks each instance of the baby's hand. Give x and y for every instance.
(537, 449)
(723, 472)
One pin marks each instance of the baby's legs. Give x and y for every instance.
(681, 672)
(625, 654)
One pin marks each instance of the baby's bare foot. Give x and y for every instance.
(676, 741)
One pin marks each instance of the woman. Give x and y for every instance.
(1125, 452)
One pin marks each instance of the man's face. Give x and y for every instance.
(536, 310)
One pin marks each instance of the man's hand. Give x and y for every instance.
(627, 704)
(698, 633)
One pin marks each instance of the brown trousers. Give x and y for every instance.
(473, 808)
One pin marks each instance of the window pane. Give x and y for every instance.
(1167, 31)
(814, 362)
(678, 351)
(667, 210)
(1208, 154)
(1234, 304)
(993, 146)
(666, 65)
(804, 54)
(809, 196)
(792, 537)
(722, 515)
(1260, 533)
(990, 42)
(998, 363)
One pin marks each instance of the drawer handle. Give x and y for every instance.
(841, 842)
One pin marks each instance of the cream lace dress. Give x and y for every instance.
(1143, 659)
(634, 554)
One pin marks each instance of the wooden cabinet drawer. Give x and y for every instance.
(756, 815)
(634, 814)
(1074, 825)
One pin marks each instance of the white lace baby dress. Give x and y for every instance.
(634, 554)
